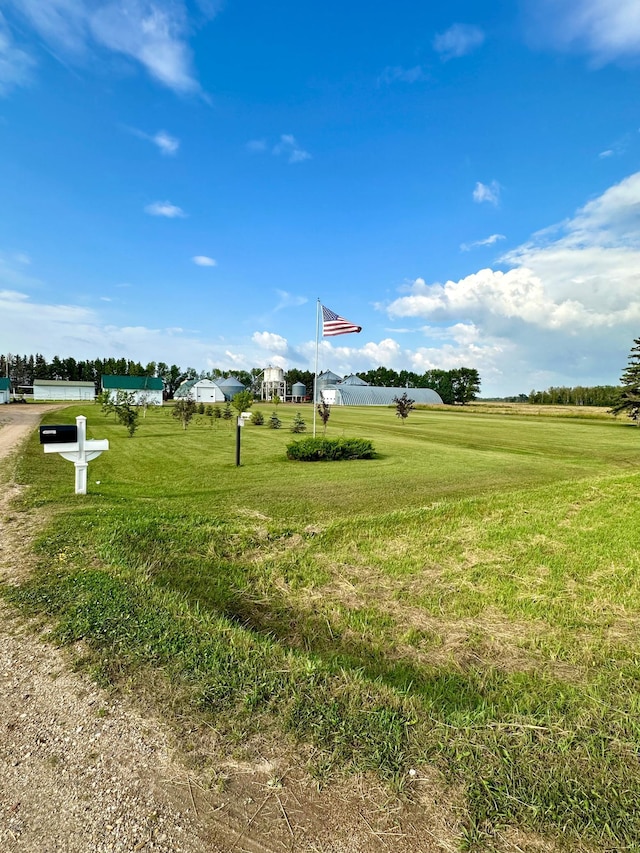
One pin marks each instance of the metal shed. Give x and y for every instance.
(200, 391)
(372, 395)
(62, 389)
(5, 390)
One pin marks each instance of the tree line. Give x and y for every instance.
(454, 386)
(597, 395)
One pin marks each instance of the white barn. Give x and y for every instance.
(62, 390)
(146, 390)
(200, 391)
(5, 390)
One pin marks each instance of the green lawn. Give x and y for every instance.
(467, 600)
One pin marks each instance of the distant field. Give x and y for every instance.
(469, 600)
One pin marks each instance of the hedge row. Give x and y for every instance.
(330, 449)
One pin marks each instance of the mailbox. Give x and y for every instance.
(61, 434)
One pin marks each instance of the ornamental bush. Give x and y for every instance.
(257, 418)
(330, 449)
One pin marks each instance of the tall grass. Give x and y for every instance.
(468, 600)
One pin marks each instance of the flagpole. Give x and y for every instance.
(315, 375)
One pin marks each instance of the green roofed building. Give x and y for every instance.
(146, 390)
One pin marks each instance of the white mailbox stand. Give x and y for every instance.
(80, 452)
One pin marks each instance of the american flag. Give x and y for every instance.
(332, 324)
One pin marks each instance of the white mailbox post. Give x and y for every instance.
(80, 452)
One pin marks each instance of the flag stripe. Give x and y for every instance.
(333, 324)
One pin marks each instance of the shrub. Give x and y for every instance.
(274, 422)
(257, 418)
(208, 410)
(298, 424)
(330, 449)
(201, 409)
(227, 414)
(217, 412)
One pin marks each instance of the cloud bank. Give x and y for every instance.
(152, 33)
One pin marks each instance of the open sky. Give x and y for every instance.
(182, 180)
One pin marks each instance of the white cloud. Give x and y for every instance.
(257, 145)
(150, 32)
(487, 192)
(16, 64)
(606, 30)
(165, 208)
(289, 300)
(488, 241)
(567, 307)
(399, 74)
(604, 154)
(289, 148)
(457, 41)
(204, 261)
(166, 143)
(271, 342)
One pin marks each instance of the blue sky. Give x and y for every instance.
(182, 180)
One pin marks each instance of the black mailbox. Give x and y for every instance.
(60, 434)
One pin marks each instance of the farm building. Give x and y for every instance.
(273, 384)
(62, 389)
(326, 379)
(298, 392)
(5, 390)
(146, 390)
(230, 387)
(361, 394)
(200, 391)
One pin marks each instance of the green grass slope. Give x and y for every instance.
(467, 600)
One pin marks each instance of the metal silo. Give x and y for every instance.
(230, 387)
(273, 383)
(298, 392)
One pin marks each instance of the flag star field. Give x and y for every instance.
(182, 180)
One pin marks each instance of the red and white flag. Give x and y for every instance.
(332, 324)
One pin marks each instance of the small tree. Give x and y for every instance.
(242, 401)
(227, 414)
(201, 409)
(217, 412)
(274, 421)
(106, 403)
(629, 395)
(324, 410)
(275, 399)
(404, 405)
(257, 418)
(126, 411)
(298, 424)
(208, 410)
(184, 410)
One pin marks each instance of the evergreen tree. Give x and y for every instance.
(298, 424)
(629, 397)
(274, 421)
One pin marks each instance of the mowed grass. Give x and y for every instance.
(469, 600)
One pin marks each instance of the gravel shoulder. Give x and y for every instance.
(80, 770)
